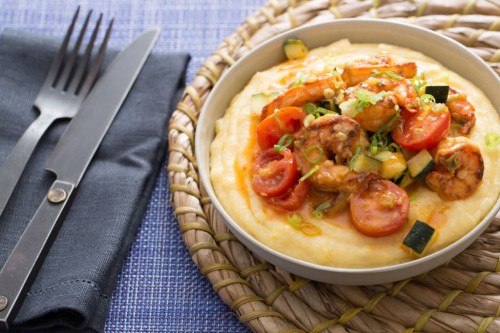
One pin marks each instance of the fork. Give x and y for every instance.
(65, 87)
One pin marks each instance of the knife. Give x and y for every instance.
(68, 161)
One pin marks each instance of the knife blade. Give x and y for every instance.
(69, 161)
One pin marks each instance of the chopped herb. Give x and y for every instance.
(299, 79)
(492, 140)
(316, 111)
(364, 98)
(355, 156)
(309, 173)
(392, 75)
(389, 74)
(314, 154)
(308, 120)
(310, 108)
(285, 141)
(452, 163)
(324, 206)
(295, 220)
(349, 108)
(418, 82)
(278, 120)
(427, 101)
(389, 124)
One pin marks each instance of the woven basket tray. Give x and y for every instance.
(463, 296)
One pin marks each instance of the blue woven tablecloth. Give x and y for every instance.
(159, 289)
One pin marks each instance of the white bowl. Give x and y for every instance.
(444, 50)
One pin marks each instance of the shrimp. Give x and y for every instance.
(304, 93)
(360, 70)
(377, 207)
(459, 169)
(337, 137)
(461, 111)
(397, 92)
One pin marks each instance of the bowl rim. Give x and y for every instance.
(278, 258)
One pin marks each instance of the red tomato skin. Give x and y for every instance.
(269, 131)
(421, 130)
(293, 199)
(369, 214)
(274, 173)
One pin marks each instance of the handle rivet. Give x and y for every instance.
(3, 302)
(57, 195)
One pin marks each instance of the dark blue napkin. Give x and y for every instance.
(75, 283)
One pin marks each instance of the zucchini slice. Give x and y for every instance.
(295, 49)
(419, 237)
(258, 101)
(440, 93)
(393, 166)
(365, 163)
(404, 180)
(420, 164)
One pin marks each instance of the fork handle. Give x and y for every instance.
(16, 161)
(21, 268)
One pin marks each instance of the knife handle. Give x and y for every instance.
(20, 269)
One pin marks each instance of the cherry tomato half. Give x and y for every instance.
(421, 130)
(293, 199)
(274, 173)
(380, 209)
(286, 121)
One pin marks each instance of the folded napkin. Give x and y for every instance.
(74, 286)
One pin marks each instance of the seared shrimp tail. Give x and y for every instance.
(459, 169)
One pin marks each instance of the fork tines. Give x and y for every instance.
(72, 74)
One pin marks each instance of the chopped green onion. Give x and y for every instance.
(492, 140)
(310, 108)
(393, 147)
(299, 79)
(308, 120)
(314, 150)
(285, 141)
(418, 82)
(337, 79)
(392, 75)
(389, 74)
(355, 156)
(325, 205)
(316, 111)
(295, 220)
(329, 93)
(278, 120)
(363, 99)
(349, 108)
(427, 101)
(374, 145)
(389, 124)
(378, 140)
(452, 164)
(309, 173)
(366, 97)
(322, 111)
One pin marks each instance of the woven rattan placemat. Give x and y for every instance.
(462, 296)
